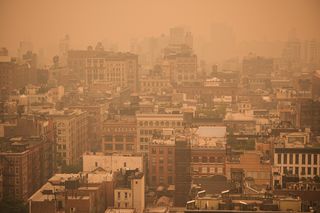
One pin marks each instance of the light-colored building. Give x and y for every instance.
(208, 151)
(253, 166)
(72, 193)
(130, 193)
(148, 124)
(121, 69)
(302, 162)
(72, 135)
(112, 162)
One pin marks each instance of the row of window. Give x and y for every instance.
(160, 123)
(161, 151)
(300, 171)
(161, 160)
(119, 147)
(153, 170)
(144, 147)
(119, 129)
(153, 84)
(119, 138)
(161, 180)
(204, 170)
(205, 159)
(297, 158)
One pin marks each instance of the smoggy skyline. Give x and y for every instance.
(45, 22)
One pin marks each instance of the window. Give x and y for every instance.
(303, 171)
(108, 146)
(285, 158)
(297, 159)
(169, 151)
(315, 159)
(309, 159)
(126, 195)
(309, 170)
(153, 151)
(119, 195)
(154, 160)
(303, 159)
(170, 180)
(195, 159)
(285, 170)
(161, 160)
(169, 168)
(119, 138)
(212, 159)
(279, 158)
(161, 179)
(290, 158)
(204, 159)
(296, 171)
(96, 164)
(129, 138)
(204, 170)
(315, 171)
(129, 147)
(108, 137)
(119, 146)
(170, 160)
(160, 151)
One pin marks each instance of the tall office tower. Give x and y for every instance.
(177, 35)
(64, 46)
(24, 47)
(189, 40)
(183, 171)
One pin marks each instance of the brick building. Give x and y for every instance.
(161, 158)
(119, 135)
(26, 164)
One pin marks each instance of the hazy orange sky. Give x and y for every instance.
(44, 22)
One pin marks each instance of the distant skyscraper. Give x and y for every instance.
(292, 49)
(189, 40)
(177, 35)
(64, 45)
(24, 47)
